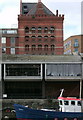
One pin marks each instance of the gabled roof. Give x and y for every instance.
(33, 9)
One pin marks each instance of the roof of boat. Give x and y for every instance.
(68, 98)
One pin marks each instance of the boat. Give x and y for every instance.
(69, 109)
(25, 113)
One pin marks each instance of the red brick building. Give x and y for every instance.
(39, 31)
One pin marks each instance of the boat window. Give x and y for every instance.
(60, 102)
(72, 102)
(66, 102)
(79, 103)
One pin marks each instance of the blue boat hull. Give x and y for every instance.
(24, 113)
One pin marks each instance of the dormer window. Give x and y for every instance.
(25, 7)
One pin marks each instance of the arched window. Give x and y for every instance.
(52, 47)
(45, 47)
(26, 47)
(52, 38)
(52, 29)
(26, 30)
(26, 38)
(45, 37)
(46, 30)
(33, 38)
(39, 29)
(33, 47)
(39, 38)
(33, 29)
(39, 47)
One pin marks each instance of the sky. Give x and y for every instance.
(10, 9)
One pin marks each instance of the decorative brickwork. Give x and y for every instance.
(39, 30)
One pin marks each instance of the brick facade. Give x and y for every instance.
(73, 45)
(39, 32)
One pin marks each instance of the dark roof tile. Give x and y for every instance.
(31, 8)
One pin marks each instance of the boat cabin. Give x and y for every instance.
(69, 104)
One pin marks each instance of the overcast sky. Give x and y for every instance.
(9, 10)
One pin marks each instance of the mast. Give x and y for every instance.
(62, 90)
(20, 6)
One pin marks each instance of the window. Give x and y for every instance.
(46, 30)
(33, 47)
(72, 102)
(12, 40)
(60, 102)
(33, 29)
(39, 29)
(26, 38)
(76, 44)
(76, 40)
(39, 36)
(64, 69)
(75, 49)
(79, 103)
(26, 30)
(3, 50)
(9, 31)
(12, 50)
(25, 12)
(23, 70)
(52, 29)
(26, 47)
(66, 102)
(33, 37)
(52, 38)
(39, 47)
(25, 7)
(45, 47)
(52, 47)
(3, 40)
(45, 37)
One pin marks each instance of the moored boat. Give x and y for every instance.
(25, 113)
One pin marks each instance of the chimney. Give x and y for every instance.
(20, 6)
(56, 12)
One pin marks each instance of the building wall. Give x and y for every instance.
(56, 22)
(42, 80)
(9, 41)
(82, 44)
(72, 47)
